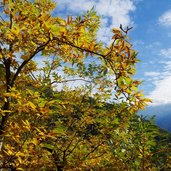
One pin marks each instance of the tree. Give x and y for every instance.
(28, 98)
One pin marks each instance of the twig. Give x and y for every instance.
(77, 79)
(125, 30)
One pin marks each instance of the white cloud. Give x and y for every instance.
(112, 12)
(166, 52)
(162, 92)
(165, 19)
(118, 10)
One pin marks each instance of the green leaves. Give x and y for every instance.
(60, 129)
(48, 146)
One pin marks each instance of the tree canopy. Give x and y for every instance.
(47, 125)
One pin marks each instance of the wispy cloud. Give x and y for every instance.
(152, 74)
(166, 52)
(165, 19)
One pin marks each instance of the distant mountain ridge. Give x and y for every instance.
(162, 115)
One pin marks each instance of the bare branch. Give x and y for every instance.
(94, 149)
(125, 30)
(76, 144)
(2, 18)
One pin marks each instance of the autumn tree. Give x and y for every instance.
(28, 99)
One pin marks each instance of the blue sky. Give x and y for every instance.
(151, 37)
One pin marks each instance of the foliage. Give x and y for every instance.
(142, 145)
(42, 128)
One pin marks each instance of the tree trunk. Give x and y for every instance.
(60, 168)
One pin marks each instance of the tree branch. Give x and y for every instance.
(76, 144)
(77, 47)
(77, 79)
(38, 49)
(94, 149)
(125, 30)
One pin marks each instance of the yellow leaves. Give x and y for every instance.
(12, 94)
(9, 150)
(35, 141)
(26, 125)
(69, 19)
(117, 34)
(10, 36)
(143, 102)
(147, 100)
(33, 44)
(32, 93)
(41, 134)
(30, 104)
(25, 56)
(51, 36)
(116, 31)
(4, 112)
(123, 59)
(45, 5)
(69, 122)
(127, 49)
(13, 33)
(15, 30)
(55, 29)
(43, 39)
